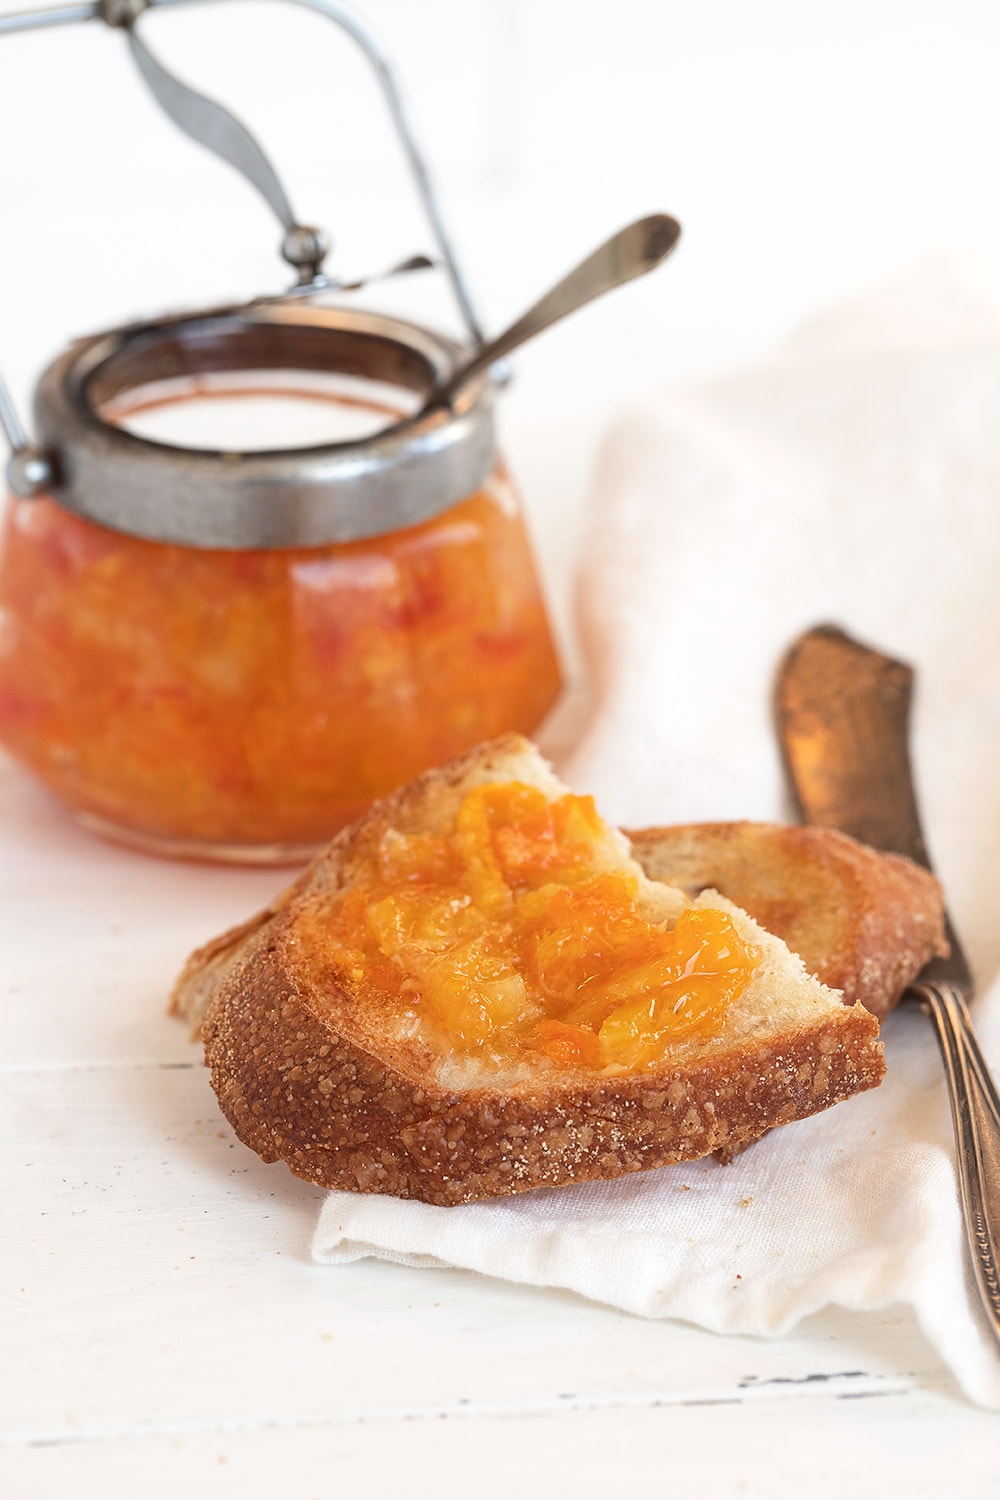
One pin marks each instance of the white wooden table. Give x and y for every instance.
(165, 1334)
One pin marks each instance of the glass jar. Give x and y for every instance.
(245, 702)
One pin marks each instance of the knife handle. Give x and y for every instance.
(975, 1110)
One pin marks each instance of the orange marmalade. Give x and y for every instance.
(250, 703)
(504, 935)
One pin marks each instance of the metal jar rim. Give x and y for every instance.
(286, 497)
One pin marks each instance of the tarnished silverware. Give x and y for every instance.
(843, 718)
(633, 251)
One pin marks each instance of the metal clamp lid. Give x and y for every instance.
(289, 497)
(69, 460)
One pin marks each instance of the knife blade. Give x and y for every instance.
(843, 719)
(843, 714)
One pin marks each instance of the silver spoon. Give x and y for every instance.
(631, 252)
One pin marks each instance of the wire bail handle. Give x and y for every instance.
(31, 469)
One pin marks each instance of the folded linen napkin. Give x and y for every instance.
(854, 479)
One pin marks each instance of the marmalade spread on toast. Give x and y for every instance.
(503, 937)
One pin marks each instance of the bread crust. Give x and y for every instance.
(295, 1090)
(863, 922)
(307, 1069)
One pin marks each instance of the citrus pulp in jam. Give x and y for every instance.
(263, 698)
(505, 935)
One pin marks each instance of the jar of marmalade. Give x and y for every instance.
(230, 654)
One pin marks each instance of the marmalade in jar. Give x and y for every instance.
(507, 937)
(247, 704)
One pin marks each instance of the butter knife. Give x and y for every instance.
(843, 713)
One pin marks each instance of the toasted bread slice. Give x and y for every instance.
(329, 1059)
(864, 923)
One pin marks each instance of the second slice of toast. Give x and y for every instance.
(863, 922)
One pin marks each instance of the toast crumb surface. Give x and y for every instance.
(319, 1060)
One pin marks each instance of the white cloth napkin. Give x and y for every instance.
(855, 479)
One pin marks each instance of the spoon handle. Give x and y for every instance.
(631, 252)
